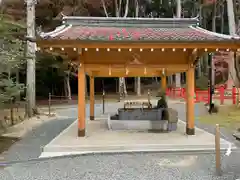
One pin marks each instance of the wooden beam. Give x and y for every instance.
(159, 67)
(103, 56)
(163, 83)
(124, 75)
(131, 74)
(101, 70)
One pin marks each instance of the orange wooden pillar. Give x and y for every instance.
(164, 83)
(92, 99)
(81, 100)
(190, 130)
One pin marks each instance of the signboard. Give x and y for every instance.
(221, 65)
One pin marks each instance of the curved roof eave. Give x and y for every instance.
(224, 36)
(58, 30)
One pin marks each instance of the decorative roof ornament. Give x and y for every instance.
(135, 60)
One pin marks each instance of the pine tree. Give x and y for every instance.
(12, 58)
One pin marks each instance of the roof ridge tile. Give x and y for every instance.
(130, 22)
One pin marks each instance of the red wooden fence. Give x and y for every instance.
(220, 93)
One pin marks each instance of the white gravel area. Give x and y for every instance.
(133, 166)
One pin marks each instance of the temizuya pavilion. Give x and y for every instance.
(130, 47)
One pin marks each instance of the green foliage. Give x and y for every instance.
(202, 83)
(50, 73)
(12, 55)
(11, 59)
(9, 90)
(11, 48)
(10, 29)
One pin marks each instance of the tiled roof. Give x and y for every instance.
(130, 29)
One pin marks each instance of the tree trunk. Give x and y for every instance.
(31, 47)
(222, 18)
(104, 8)
(122, 83)
(214, 17)
(214, 14)
(232, 78)
(126, 9)
(125, 15)
(169, 80)
(65, 88)
(136, 8)
(118, 13)
(138, 78)
(199, 70)
(179, 8)
(179, 12)
(69, 95)
(124, 86)
(17, 81)
(135, 85)
(138, 86)
(237, 57)
(9, 73)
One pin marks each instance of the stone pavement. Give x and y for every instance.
(100, 140)
(21, 129)
(30, 146)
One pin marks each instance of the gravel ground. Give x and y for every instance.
(135, 166)
(200, 109)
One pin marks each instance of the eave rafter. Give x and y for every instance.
(210, 46)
